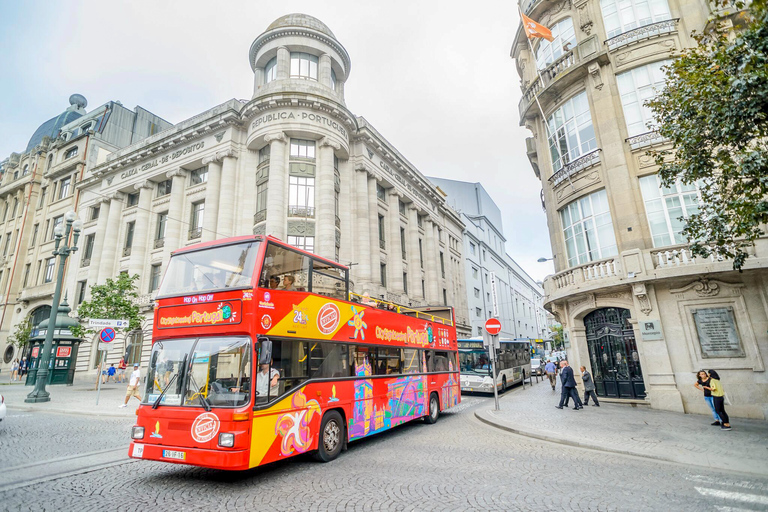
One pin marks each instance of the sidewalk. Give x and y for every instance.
(79, 398)
(639, 431)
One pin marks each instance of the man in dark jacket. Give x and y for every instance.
(589, 387)
(568, 384)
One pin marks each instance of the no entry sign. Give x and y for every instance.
(493, 326)
(107, 335)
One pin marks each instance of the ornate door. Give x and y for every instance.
(613, 353)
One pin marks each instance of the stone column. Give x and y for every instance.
(212, 191)
(394, 247)
(362, 244)
(106, 256)
(176, 224)
(325, 215)
(247, 195)
(283, 63)
(277, 193)
(227, 194)
(373, 226)
(141, 241)
(98, 241)
(324, 70)
(431, 263)
(258, 80)
(414, 265)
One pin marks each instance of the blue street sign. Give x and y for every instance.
(107, 334)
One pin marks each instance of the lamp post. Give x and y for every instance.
(73, 224)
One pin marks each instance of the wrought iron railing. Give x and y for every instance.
(85, 262)
(382, 244)
(301, 211)
(159, 242)
(641, 33)
(260, 216)
(573, 168)
(644, 140)
(195, 233)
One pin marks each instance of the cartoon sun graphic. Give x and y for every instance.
(358, 323)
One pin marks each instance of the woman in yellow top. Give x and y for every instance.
(718, 397)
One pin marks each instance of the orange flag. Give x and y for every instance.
(533, 29)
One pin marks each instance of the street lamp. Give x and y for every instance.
(544, 260)
(39, 394)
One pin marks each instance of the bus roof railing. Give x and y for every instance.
(367, 300)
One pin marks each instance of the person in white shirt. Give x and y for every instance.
(133, 385)
(266, 381)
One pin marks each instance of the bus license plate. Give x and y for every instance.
(172, 454)
(466, 389)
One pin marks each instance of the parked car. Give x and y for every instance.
(536, 367)
(2, 408)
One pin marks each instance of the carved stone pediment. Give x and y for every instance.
(709, 288)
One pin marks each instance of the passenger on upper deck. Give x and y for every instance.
(274, 282)
(288, 281)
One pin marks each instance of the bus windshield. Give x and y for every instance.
(207, 270)
(474, 361)
(208, 372)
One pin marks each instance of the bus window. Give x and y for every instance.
(388, 361)
(364, 361)
(328, 280)
(440, 361)
(410, 360)
(329, 360)
(284, 269)
(290, 360)
(220, 372)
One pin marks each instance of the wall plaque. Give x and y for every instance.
(650, 330)
(717, 332)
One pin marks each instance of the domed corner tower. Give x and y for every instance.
(299, 53)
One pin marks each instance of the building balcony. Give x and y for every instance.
(260, 216)
(159, 243)
(301, 211)
(571, 169)
(645, 140)
(641, 34)
(33, 293)
(126, 251)
(382, 244)
(195, 233)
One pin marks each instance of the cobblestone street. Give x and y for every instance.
(458, 464)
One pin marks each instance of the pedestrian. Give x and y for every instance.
(133, 385)
(23, 367)
(718, 397)
(15, 370)
(551, 370)
(121, 370)
(568, 384)
(103, 368)
(111, 371)
(701, 382)
(589, 387)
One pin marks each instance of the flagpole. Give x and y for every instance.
(536, 96)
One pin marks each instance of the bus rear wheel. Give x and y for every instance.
(331, 437)
(434, 409)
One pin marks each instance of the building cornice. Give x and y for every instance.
(271, 101)
(277, 33)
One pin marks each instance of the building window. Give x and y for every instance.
(405, 283)
(95, 212)
(402, 242)
(421, 254)
(264, 154)
(472, 248)
(564, 40)
(303, 242)
(401, 207)
(442, 264)
(333, 79)
(486, 279)
(588, 229)
(198, 176)
(70, 153)
(303, 65)
(132, 199)
(25, 171)
(15, 207)
(478, 312)
(82, 287)
(162, 219)
(423, 289)
(270, 70)
(196, 220)
(637, 86)
(381, 192)
(64, 188)
(420, 221)
(50, 263)
(57, 221)
(88, 250)
(261, 197)
(41, 202)
(445, 297)
(485, 258)
(477, 293)
(301, 197)
(164, 188)
(382, 240)
(129, 229)
(35, 229)
(571, 134)
(668, 209)
(154, 278)
(383, 272)
(27, 269)
(620, 16)
(301, 148)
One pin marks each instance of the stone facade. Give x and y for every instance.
(614, 232)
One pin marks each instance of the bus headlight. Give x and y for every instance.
(227, 439)
(137, 433)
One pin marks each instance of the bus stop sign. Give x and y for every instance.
(493, 326)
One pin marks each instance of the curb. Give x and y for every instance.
(26, 408)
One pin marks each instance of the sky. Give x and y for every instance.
(434, 77)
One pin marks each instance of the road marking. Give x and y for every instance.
(755, 499)
(744, 484)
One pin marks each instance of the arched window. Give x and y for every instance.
(50, 161)
(333, 79)
(25, 171)
(70, 153)
(40, 314)
(303, 65)
(270, 70)
(564, 35)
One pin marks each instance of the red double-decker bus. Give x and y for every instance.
(258, 355)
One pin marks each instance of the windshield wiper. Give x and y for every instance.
(203, 400)
(157, 402)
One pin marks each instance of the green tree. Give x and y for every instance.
(113, 299)
(20, 336)
(557, 337)
(714, 110)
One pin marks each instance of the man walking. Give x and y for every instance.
(568, 384)
(589, 387)
(133, 385)
(551, 370)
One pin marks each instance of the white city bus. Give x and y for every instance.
(513, 364)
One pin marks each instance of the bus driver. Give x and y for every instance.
(266, 381)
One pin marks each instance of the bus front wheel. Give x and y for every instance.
(331, 437)
(434, 409)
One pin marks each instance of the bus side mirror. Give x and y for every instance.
(265, 354)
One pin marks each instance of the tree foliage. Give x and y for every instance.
(557, 337)
(21, 334)
(113, 299)
(714, 110)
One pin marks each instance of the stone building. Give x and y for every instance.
(636, 306)
(519, 299)
(293, 162)
(38, 186)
